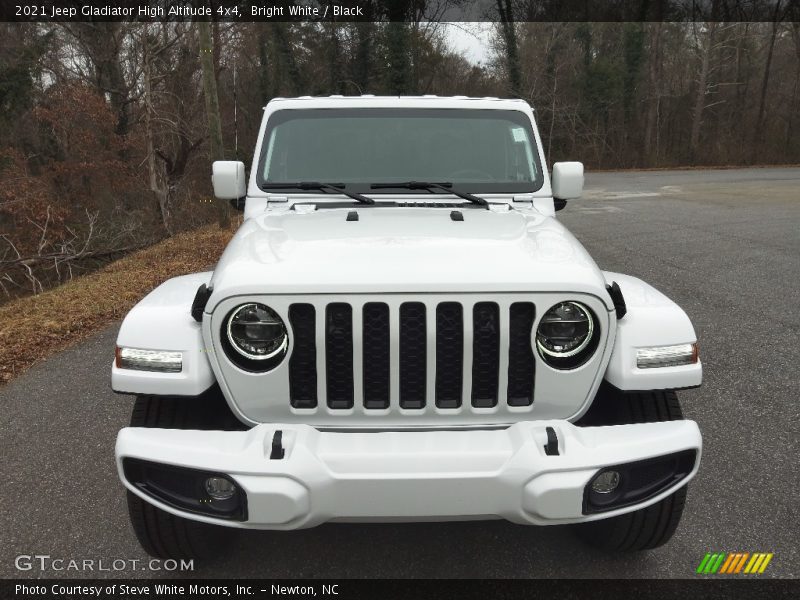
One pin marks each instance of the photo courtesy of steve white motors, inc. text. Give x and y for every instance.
(164, 589)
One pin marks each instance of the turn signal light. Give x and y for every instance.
(667, 356)
(135, 359)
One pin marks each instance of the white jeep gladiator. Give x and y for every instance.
(401, 330)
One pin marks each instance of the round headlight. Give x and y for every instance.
(257, 332)
(566, 331)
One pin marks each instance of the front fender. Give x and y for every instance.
(162, 321)
(652, 320)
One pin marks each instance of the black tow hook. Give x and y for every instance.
(200, 301)
(619, 301)
(551, 447)
(278, 451)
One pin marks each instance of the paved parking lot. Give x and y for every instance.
(724, 244)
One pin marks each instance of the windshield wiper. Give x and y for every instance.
(317, 185)
(430, 185)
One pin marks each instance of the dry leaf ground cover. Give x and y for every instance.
(35, 327)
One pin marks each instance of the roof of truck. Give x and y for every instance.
(401, 101)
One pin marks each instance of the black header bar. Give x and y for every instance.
(264, 11)
(387, 589)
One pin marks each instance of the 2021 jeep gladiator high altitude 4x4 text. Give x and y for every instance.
(402, 330)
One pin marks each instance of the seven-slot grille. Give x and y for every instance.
(433, 343)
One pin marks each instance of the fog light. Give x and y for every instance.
(606, 482)
(631, 483)
(220, 488)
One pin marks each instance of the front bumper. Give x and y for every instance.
(410, 475)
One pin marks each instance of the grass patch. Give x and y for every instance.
(35, 327)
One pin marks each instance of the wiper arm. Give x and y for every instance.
(317, 185)
(431, 185)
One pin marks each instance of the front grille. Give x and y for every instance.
(303, 363)
(376, 355)
(339, 354)
(521, 363)
(426, 346)
(449, 354)
(413, 354)
(485, 354)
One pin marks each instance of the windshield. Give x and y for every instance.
(475, 150)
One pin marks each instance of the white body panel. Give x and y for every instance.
(567, 180)
(228, 179)
(162, 321)
(391, 250)
(410, 476)
(405, 464)
(652, 320)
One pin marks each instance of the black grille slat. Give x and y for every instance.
(485, 354)
(413, 354)
(449, 354)
(521, 363)
(303, 363)
(339, 354)
(375, 348)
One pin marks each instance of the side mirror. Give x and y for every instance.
(229, 180)
(567, 182)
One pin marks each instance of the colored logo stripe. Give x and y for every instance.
(734, 563)
(711, 562)
(701, 567)
(728, 562)
(740, 564)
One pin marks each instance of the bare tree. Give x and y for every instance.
(103, 45)
(757, 133)
(705, 45)
(212, 106)
(506, 13)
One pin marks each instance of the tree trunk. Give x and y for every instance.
(288, 58)
(159, 190)
(103, 43)
(653, 74)
(335, 61)
(741, 80)
(758, 133)
(264, 80)
(793, 110)
(212, 107)
(399, 63)
(702, 90)
(362, 69)
(795, 30)
(504, 9)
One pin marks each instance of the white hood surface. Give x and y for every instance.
(404, 249)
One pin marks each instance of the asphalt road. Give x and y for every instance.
(724, 244)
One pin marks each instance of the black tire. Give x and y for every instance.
(208, 411)
(164, 535)
(615, 407)
(649, 527)
(160, 533)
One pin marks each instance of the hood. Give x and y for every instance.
(404, 249)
